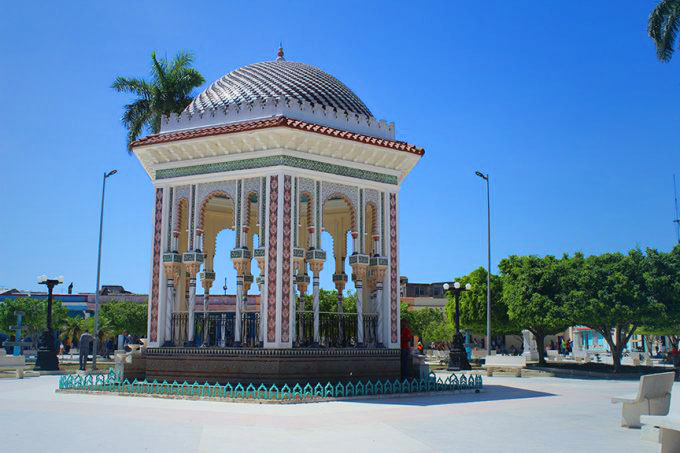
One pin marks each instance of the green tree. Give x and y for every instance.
(472, 306)
(533, 289)
(35, 316)
(123, 315)
(328, 301)
(168, 91)
(662, 276)
(612, 295)
(662, 27)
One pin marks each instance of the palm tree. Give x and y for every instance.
(663, 26)
(71, 328)
(168, 91)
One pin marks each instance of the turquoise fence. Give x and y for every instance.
(112, 383)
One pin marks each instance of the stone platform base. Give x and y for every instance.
(263, 366)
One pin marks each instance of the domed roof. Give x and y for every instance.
(281, 79)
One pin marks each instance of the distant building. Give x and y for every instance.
(423, 295)
(83, 303)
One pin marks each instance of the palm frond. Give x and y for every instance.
(138, 87)
(662, 27)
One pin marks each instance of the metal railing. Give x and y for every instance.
(215, 329)
(336, 330)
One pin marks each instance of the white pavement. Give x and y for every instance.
(513, 414)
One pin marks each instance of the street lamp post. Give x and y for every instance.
(47, 355)
(488, 269)
(99, 264)
(458, 355)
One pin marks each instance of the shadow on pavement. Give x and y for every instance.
(488, 393)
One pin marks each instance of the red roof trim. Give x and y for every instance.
(278, 121)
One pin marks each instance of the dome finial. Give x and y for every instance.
(280, 54)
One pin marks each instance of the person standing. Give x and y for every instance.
(84, 348)
(406, 338)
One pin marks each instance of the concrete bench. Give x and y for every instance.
(652, 398)
(13, 363)
(581, 356)
(669, 430)
(554, 354)
(505, 363)
(641, 358)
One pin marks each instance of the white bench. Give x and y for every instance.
(13, 363)
(653, 398)
(641, 357)
(554, 354)
(669, 430)
(505, 362)
(581, 356)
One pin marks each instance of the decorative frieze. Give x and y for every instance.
(156, 265)
(274, 161)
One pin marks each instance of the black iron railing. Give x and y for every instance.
(336, 330)
(215, 329)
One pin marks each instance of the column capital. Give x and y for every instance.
(316, 258)
(359, 263)
(172, 263)
(241, 258)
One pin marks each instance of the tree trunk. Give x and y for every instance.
(540, 345)
(617, 350)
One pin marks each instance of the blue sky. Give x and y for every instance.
(563, 103)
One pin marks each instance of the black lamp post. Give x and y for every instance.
(47, 355)
(458, 355)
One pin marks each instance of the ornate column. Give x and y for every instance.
(298, 279)
(207, 279)
(378, 270)
(316, 258)
(192, 263)
(241, 259)
(261, 265)
(172, 263)
(302, 281)
(247, 283)
(359, 265)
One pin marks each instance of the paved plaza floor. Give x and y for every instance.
(512, 414)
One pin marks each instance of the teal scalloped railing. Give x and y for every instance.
(112, 383)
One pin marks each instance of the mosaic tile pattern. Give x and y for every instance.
(286, 268)
(272, 267)
(394, 275)
(170, 205)
(272, 161)
(156, 268)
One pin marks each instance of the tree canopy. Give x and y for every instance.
(533, 289)
(35, 315)
(121, 315)
(472, 305)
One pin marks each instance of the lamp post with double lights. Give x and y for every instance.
(47, 359)
(458, 355)
(99, 264)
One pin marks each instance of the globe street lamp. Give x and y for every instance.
(99, 265)
(485, 177)
(47, 354)
(458, 355)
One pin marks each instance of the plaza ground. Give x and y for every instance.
(525, 414)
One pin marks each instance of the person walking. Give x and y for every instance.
(84, 345)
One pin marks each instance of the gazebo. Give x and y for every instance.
(277, 151)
